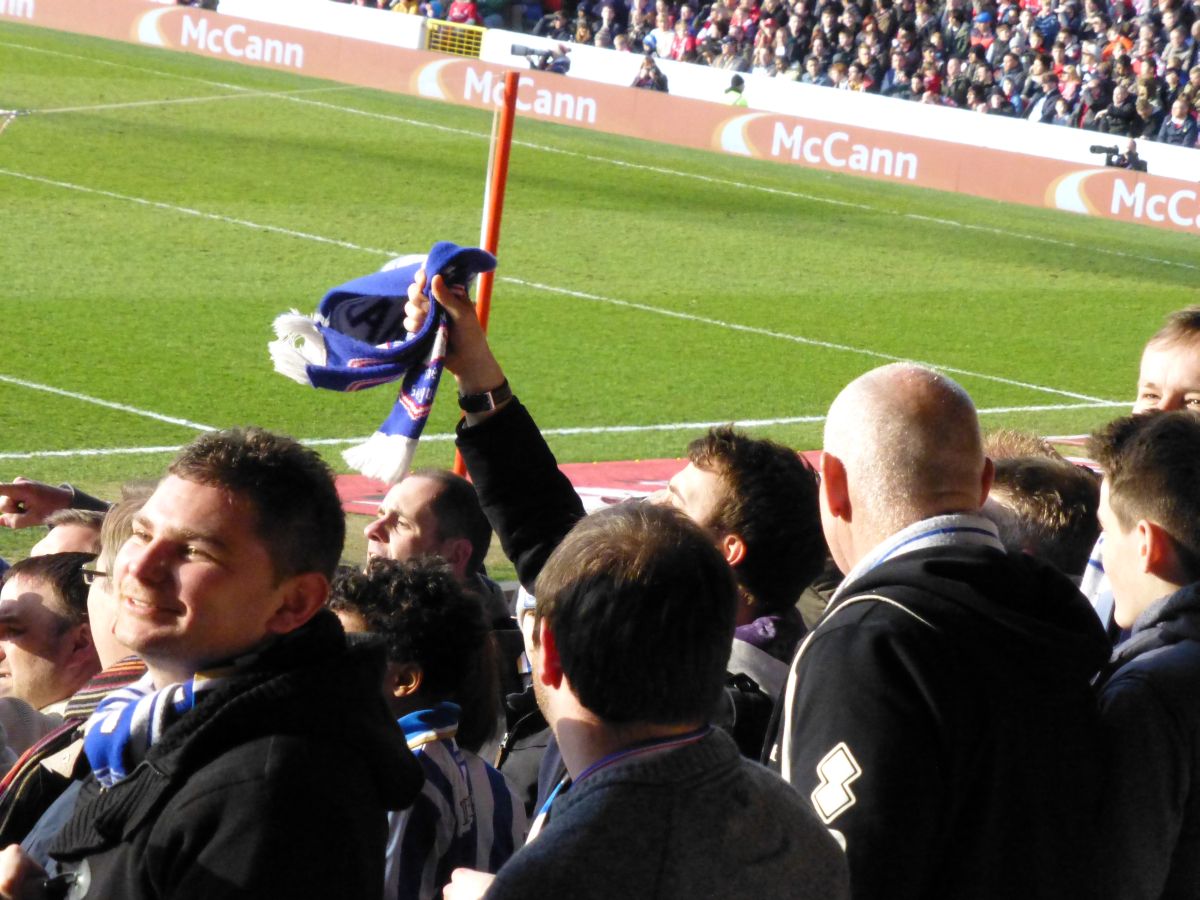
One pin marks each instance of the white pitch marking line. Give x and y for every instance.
(564, 291)
(797, 339)
(952, 223)
(86, 398)
(117, 65)
(229, 220)
(741, 185)
(210, 98)
(553, 432)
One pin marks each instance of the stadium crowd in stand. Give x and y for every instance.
(1130, 70)
(883, 682)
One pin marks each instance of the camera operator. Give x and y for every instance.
(554, 60)
(1115, 159)
(650, 76)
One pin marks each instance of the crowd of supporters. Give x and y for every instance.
(1131, 70)
(761, 682)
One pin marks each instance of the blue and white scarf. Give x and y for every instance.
(953, 530)
(129, 721)
(356, 339)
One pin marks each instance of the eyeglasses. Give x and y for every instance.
(90, 575)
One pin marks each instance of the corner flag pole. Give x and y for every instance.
(493, 206)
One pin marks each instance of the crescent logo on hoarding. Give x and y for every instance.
(1067, 193)
(148, 31)
(732, 135)
(428, 80)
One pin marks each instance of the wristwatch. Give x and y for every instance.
(485, 401)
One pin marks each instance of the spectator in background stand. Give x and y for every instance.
(1043, 108)
(1180, 128)
(999, 104)
(663, 35)
(896, 78)
(1120, 117)
(813, 74)
(1012, 97)
(464, 12)
(683, 44)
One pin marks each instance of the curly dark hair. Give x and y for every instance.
(425, 617)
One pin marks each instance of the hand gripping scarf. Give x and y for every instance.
(356, 339)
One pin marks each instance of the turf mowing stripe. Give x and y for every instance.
(85, 398)
(797, 339)
(553, 432)
(749, 329)
(815, 198)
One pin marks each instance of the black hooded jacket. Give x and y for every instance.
(276, 785)
(1151, 718)
(940, 717)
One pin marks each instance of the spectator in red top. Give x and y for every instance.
(464, 12)
(683, 44)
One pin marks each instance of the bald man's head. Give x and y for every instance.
(908, 441)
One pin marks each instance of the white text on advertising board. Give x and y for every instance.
(554, 104)
(18, 9)
(234, 41)
(835, 150)
(1180, 207)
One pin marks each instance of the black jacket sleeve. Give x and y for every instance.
(525, 496)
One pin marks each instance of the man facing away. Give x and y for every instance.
(257, 757)
(1150, 511)
(631, 631)
(940, 717)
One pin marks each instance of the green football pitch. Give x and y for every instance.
(160, 209)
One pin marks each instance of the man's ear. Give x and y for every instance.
(404, 679)
(733, 548)
(835, 488)
(82, 649)
(550, 671)
(457, 553)
(1156, 550)
(300, 597)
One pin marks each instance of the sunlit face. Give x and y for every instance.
(406, 526)
(36, 641)
(195, 583)
(1169, 378)
(694, 492)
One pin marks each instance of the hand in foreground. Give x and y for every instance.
(25, 503)
(467, 884)
(468, 355)
(20, 877)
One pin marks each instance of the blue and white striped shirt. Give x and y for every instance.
(466, 813)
